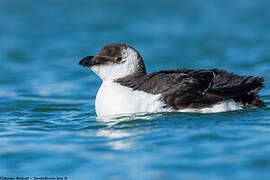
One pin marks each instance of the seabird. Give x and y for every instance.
(127, 89)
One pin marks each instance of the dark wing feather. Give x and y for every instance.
(243, 89)
(230, 84)
(184, 88)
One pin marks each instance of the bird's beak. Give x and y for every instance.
(87, 61)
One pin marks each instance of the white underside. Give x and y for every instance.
(114, 99)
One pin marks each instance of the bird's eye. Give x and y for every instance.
(118, 59)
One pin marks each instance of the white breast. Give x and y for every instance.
(112, 99)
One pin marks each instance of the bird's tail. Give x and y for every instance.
(251, 98)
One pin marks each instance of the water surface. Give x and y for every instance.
(48, 125)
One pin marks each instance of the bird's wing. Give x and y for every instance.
(243, 89)
(184, 88)
(229, 84)
(179, 88)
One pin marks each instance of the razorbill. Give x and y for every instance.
(127, 89)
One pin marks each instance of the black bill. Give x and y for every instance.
(87, 61)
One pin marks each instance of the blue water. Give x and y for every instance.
(48, 125)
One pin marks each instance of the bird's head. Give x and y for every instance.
(115, 61)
